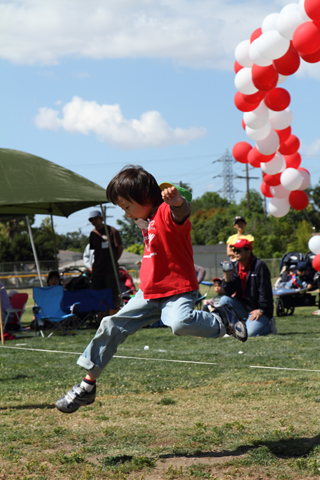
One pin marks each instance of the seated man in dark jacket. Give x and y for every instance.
(247, 289)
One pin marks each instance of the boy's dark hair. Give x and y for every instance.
(133, 182)
(53, 274)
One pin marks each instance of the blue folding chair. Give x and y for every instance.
(48, 310)
(89, 304)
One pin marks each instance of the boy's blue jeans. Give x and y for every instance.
(255, 328)
(175, 312)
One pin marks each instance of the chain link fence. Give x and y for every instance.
(15, 276)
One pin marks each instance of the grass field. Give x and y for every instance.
(185, 408)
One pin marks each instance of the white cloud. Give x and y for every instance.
(109, 124)
(311, 150)
(201, 33)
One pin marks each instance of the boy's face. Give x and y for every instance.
(217, 287)
(134, 210)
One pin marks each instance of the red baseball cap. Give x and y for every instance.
(217, 279)
(242, 243)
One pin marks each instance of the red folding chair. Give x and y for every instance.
(18, 302)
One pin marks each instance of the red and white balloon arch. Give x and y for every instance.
(264, 61)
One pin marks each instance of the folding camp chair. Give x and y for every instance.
(18, 302)
(49, 311)
(89, 304)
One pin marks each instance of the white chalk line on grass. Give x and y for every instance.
(168, 360)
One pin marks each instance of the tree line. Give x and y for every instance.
(212, 223)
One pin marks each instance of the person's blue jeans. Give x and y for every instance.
(255, 328)
(175, 312)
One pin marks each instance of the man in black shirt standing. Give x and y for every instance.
(102, 270)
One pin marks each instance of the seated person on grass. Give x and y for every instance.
(168, 288)
(247, 289)
(214, 302)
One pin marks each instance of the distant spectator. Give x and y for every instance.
(239, 224)
(5, 301)
(103, 275)
(247, 289)
(214, 302)
(88, 257)
(53, 278)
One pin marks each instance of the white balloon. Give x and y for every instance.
(256, 57)
(258, 133)
(280, 120)
(242, 54)
(270, 22)
(282, 78)
(306, 179)
(291, 179)
(302, 12)
(290, 6)
(279, 207)
(276, 165)
(314, 244)
(243, 81)
(257, 118)
(288, 21)
(272, 45)
(268, 145)
(279, 191)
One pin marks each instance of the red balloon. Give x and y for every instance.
(316, 262)
(255, 97)
(289, 63)
(284, 134)
(263, 158)
(306, 38)
(252, 159)
(265, 87)
(243, 124)
(312, 8)
(256, 34)
(298, 200)
(242, 105)
(312, 57)
(290, 146)
(277, 99)
(240, 151)
(263, 75)
(272, 180)
(237, 66)
(265, 190)
(293, 161)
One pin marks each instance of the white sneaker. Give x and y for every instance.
(273, 329)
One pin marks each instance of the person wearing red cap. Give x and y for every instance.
(239, 224)
(247, 289)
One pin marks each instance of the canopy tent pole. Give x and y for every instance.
(54, 244)
(34, 250)
(114, 265)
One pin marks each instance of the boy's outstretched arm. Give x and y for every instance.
(180, 208)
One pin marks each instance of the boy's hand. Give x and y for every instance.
(172, 197)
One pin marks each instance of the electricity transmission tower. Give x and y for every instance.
(228, 190)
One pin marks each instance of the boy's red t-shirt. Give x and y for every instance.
(167, 266)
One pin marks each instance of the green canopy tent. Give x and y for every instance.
(33, 185)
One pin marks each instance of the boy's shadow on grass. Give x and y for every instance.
(283, 448)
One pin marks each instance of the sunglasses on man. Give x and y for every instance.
(239, 250)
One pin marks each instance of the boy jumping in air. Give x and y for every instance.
(168, 288)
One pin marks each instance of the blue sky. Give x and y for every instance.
(93, 86)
